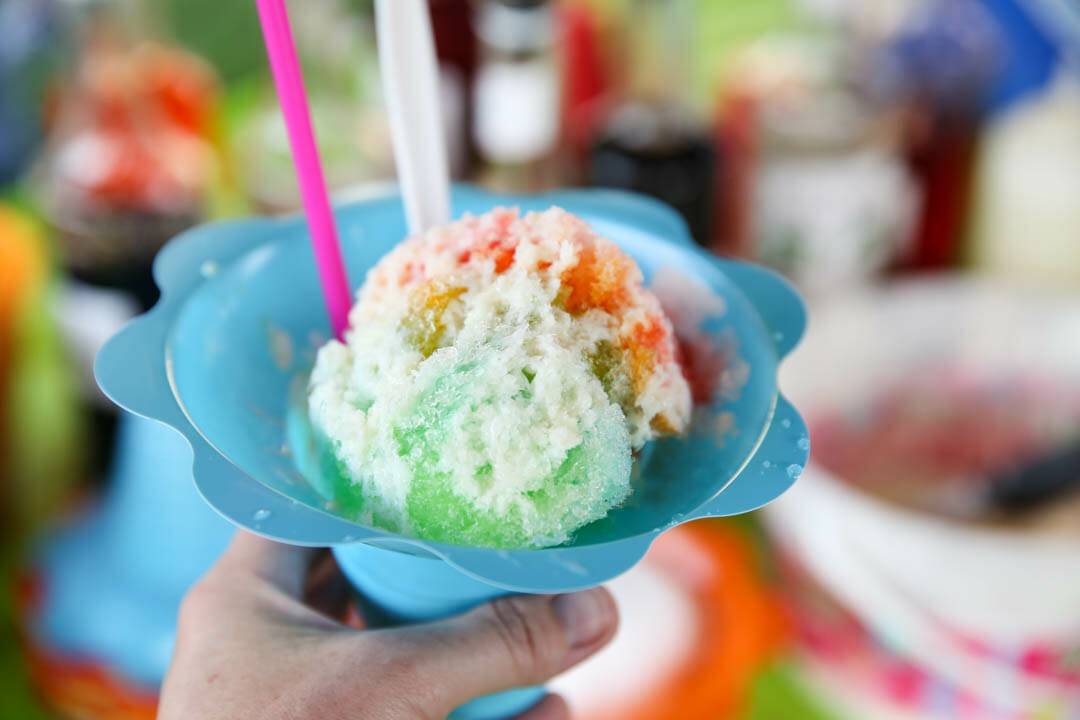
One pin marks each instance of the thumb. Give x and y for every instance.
(514, 641)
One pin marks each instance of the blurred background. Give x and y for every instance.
(912, 165)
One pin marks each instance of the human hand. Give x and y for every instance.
(263, 635)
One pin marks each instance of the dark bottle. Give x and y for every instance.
(940, 67)
(652, 143)
(455, 45)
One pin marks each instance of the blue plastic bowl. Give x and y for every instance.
(241, 316)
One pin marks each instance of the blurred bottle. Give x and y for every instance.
(586, 79)
(1026, 217)
(829, 201)
(939, 68)
(455, 45)
(516, 96)
(653, 142)
(831, 207)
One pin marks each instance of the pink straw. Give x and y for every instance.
(294, 106)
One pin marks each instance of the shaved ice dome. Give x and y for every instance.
(497, 375)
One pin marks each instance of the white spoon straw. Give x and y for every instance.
(411, 88)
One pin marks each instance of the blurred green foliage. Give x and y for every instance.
(720, 29)
(225, 33)
(19, 700)
(778, 694)
(45, 421)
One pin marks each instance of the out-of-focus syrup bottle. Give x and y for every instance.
(653, 142)
(455, 45)
(516, 96)
(939, 69)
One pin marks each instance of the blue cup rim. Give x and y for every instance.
(151, 391)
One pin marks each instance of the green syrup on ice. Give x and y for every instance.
(592, 478)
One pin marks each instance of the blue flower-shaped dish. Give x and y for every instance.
(241, 315)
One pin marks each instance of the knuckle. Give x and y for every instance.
(193, 606)
(522, 635)
(200, 610)
(190, 620)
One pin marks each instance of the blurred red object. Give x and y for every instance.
(941, 155)
(183, 87)
(137, 123)
(455, 41)
(736, 141)
(132, 156)
(586, 81)
(455, 44)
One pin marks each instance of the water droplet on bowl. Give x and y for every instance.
(261, 515)
(794, 471)
(778, 336)
(766, 464)
(209, 269)
(804, 443)
(785, 423)
(348, 538)
(281, 347)
(505, 555)
(575, 567)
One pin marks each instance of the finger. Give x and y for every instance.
(552, 707)
(514, 641)
(283, 566)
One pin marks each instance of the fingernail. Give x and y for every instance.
(585, 616)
